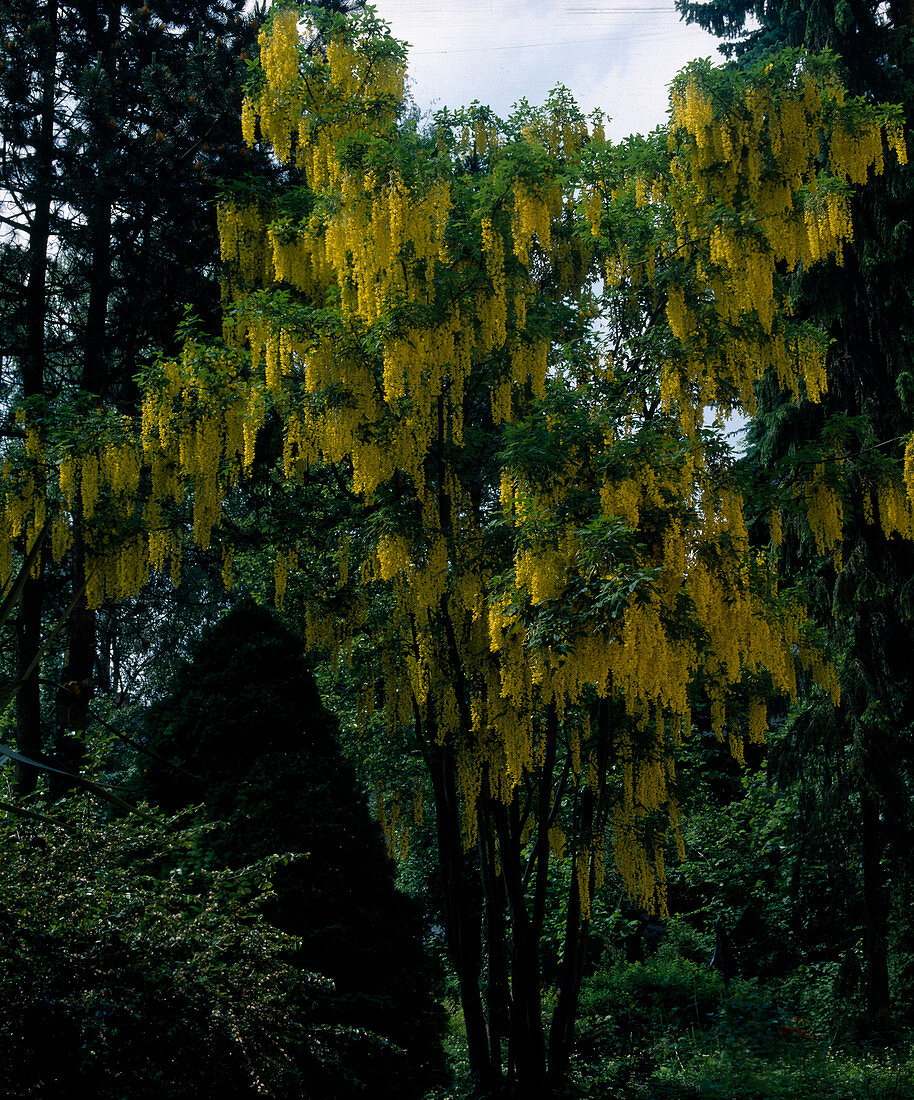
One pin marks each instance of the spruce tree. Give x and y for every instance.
(853, 757)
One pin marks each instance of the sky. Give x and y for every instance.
(615, 55)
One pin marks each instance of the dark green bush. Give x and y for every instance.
(130, 970)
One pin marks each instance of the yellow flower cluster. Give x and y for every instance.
(25, 500)
(243, 243)
(560, 131)
(810, 358)
(285, 561)
(758, 161)
(394, 823)
(895, 512)
(856, 149)
(894, 135)
(298, 116)
(641, 866)
(532, 216)
(909, 467)
(117, 571)
(824, 511)
(542, 572)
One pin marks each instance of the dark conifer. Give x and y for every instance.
(856, 756)
(245, 717)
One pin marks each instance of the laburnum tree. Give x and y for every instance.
(495, 343)
(852, 758)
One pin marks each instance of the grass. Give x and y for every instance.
(662, 1030)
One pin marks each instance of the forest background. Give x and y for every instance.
(198, 895)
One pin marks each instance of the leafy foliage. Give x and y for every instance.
(135, 968)
(661, 1030)
(850, 758)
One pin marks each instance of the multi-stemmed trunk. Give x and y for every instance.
(461, 914)
(495, 902)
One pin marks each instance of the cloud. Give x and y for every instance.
(617, 56)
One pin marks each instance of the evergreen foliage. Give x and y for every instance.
(245, 718)
(118, 119)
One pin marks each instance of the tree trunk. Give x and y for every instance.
(81, 630)
(876, 905)
(561, 1031)
(76, 679)
(551, 733)
(461, 917)
(95, 367)
(591, 822)
(32, 366)
(497, 995)
(528, 1045)
(29, 738)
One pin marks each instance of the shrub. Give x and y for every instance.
(132, 970)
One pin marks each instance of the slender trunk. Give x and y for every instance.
(77, 675)
(876, 905)
(115, 660)
(105, 648)
(94, 364)
(28, 699)
(527, 1039)
(496, 989)
(551, 734)
(461, 919)
(561, 1032)
(591, 821)
(33, 362)
(99, 213)
(82, 630)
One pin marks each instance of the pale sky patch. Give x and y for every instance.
(618, 56)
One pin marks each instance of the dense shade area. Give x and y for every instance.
(244, 717)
